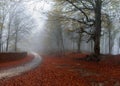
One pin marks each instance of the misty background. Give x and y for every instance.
(36, 25)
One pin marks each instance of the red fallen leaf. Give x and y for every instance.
(55, 71)
(16, 63)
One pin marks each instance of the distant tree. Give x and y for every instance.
(55, 33)
(5, 8)
(22, 27)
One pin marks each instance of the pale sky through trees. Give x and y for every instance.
(38, 10)
(33, 25)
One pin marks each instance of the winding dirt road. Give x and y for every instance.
(6, 73)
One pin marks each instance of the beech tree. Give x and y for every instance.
(5, 10)
(55, 33)
(89, 14)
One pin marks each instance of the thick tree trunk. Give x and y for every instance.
(97, 27)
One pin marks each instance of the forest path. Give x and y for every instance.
(6, 73)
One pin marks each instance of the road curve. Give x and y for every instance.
(22, 68)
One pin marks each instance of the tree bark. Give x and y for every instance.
(97, 27)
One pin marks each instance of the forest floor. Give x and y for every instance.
(10, 64)
(69, 70)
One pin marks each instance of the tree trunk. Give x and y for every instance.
(119, 46)
(97, 27)
(1, 40)
(61, 42)
(109, 40)
(91, 46)
(16, 40)
(73, 42)
(79, 41)
(1, 33)
(8, 38)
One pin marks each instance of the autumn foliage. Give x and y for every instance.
(17, 59)
(69, 70)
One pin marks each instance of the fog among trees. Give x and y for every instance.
(59, 26)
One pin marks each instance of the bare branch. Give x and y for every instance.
(78, 9)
